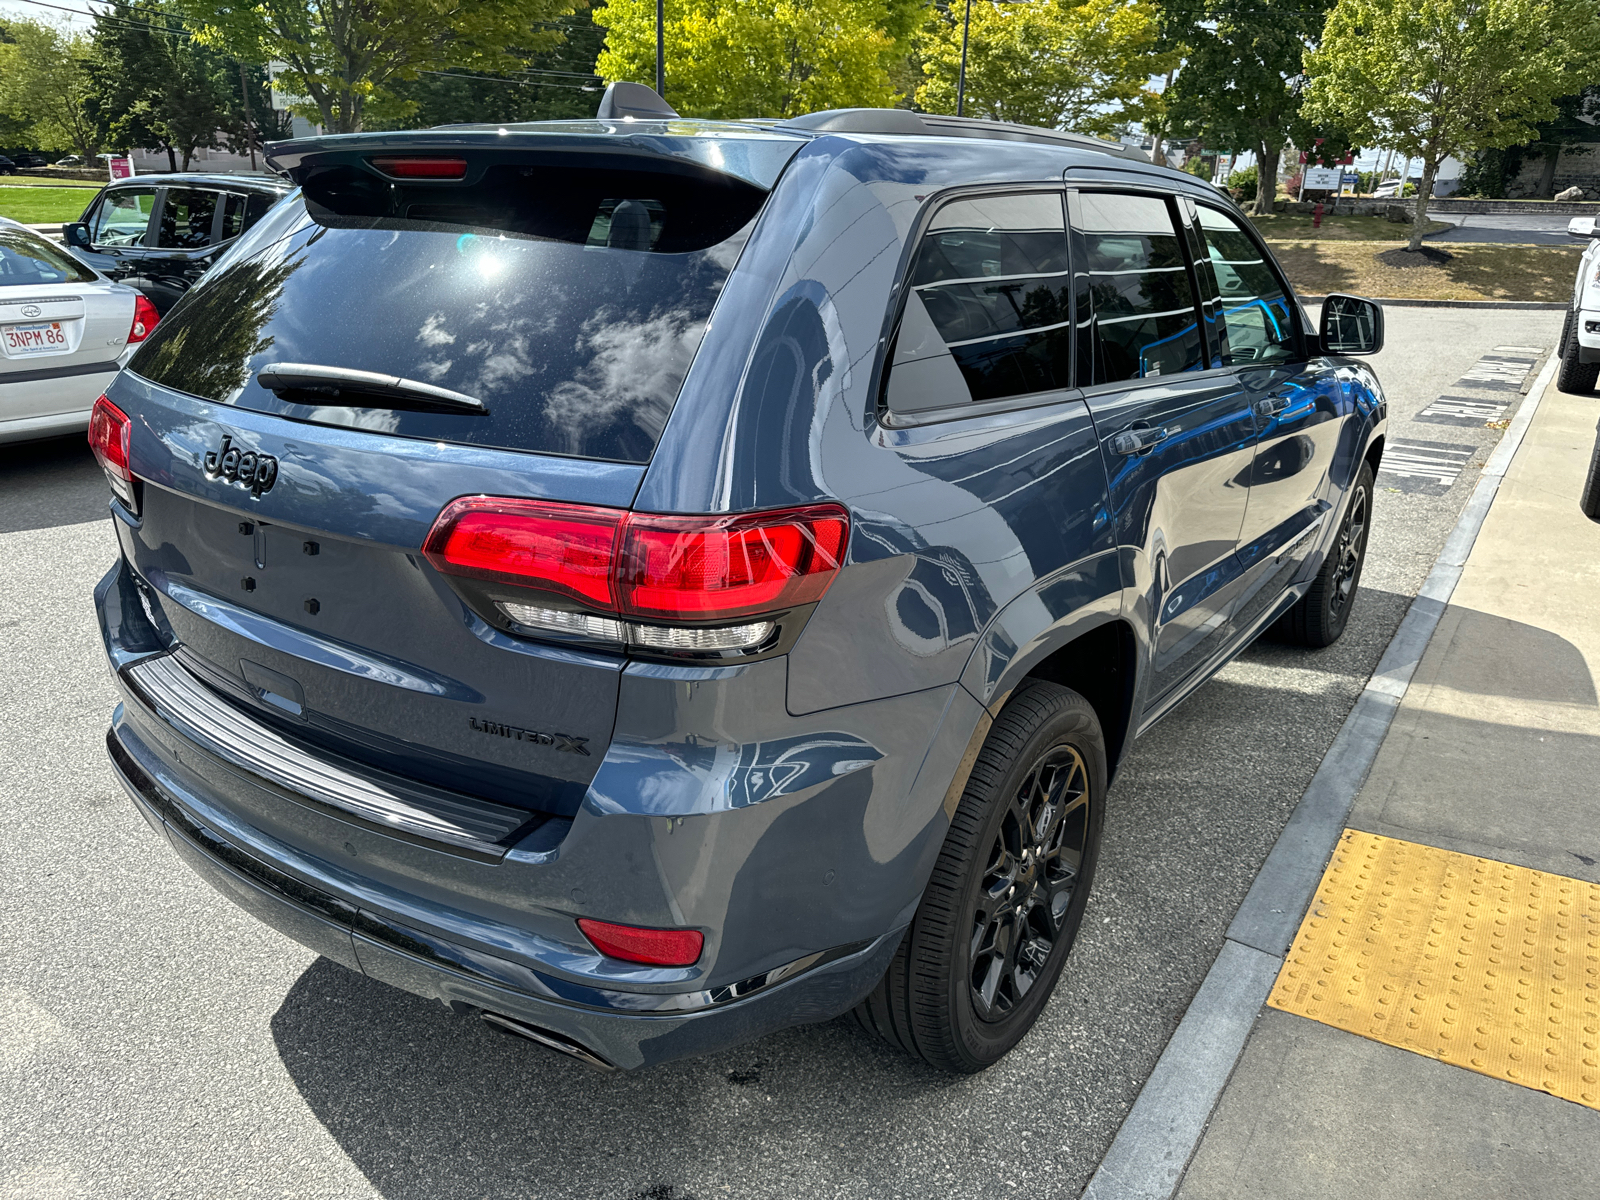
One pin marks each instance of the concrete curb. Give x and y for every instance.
(1152, 1150)
(1389, 302)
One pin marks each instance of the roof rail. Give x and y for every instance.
(904, 121)
(623, 99)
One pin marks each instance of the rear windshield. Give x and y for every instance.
(568, 301)
(27, 260)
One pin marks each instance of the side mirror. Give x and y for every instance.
(1351, 325)
(1581, 227)
(76, 234)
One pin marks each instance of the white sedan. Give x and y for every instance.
(65, 331)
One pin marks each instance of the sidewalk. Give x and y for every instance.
(1494, 752)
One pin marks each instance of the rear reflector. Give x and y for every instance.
(430, 167)
(145, 317)
(110, 433)
(617, 563)
(658, 947)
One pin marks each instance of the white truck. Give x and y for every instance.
(1579, 347)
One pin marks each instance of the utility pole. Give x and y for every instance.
(661, 49)
(249, 120)
(961, 83)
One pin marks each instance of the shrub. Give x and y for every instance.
(1243, 184)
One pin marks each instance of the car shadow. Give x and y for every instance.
(428, 1103)
(51, 483)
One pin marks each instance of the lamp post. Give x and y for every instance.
(661, 51)
(961, 82)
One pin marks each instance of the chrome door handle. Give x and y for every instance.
(1271, 406)
(1137, 441)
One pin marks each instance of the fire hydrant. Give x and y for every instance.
(1316, 216)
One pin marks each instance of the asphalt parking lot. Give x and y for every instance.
(155, 1041)
(1523, 228)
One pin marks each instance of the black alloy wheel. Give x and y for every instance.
(1027, 887)
(1320, 616)
(1008, 891)
(1348, 553)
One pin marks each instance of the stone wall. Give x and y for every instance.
(1579, 166)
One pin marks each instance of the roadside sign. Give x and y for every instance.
(1321, 179)
(121, 166)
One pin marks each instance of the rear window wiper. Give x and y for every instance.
(313, 384)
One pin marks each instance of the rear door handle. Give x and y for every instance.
(1137, 441)
(1271, 406)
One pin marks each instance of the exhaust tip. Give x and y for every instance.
(547, 1038)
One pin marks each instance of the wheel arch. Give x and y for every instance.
(1101, 666)
(1374, 455)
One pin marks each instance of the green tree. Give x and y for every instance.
(761, 58)
(558, 84)
(347, 56)
(1435, 78)
(45, 86)
(156, 87)
(1083, 65)
(1239, 85)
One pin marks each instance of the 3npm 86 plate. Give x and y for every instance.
(37, 337)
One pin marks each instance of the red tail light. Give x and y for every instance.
(658, 947)
(700, 569)
(110, 432)
(568, 549)
(145, 317)
(693, 568)
(430, 167)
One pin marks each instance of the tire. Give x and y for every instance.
(1589, 501)
(964, 988)
(1575, 378)
(1320, 616)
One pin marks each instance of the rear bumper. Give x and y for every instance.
(602, 1031)
(801, 857)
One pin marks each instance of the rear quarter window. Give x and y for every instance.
(569, 301)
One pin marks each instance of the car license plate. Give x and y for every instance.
(41, 337)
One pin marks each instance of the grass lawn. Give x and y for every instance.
(37, 205)
(1282, 226)
(46, 181)
(1486, 272)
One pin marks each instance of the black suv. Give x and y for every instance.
(160, 233)
(650, 582)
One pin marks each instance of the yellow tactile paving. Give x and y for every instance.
(1474, 962)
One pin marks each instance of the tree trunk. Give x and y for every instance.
(1419, 217)
(172, 160)
(249, 118)
(1547, 177)
(1267, 156)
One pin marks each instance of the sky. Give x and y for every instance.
(37, 12)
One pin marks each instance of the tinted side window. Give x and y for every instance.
(1132, 267)
(1256, 324)
(122, 217)
(186, 219)
(232, 217)
(991, 275)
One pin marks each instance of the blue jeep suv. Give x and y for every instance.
(650, 582)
